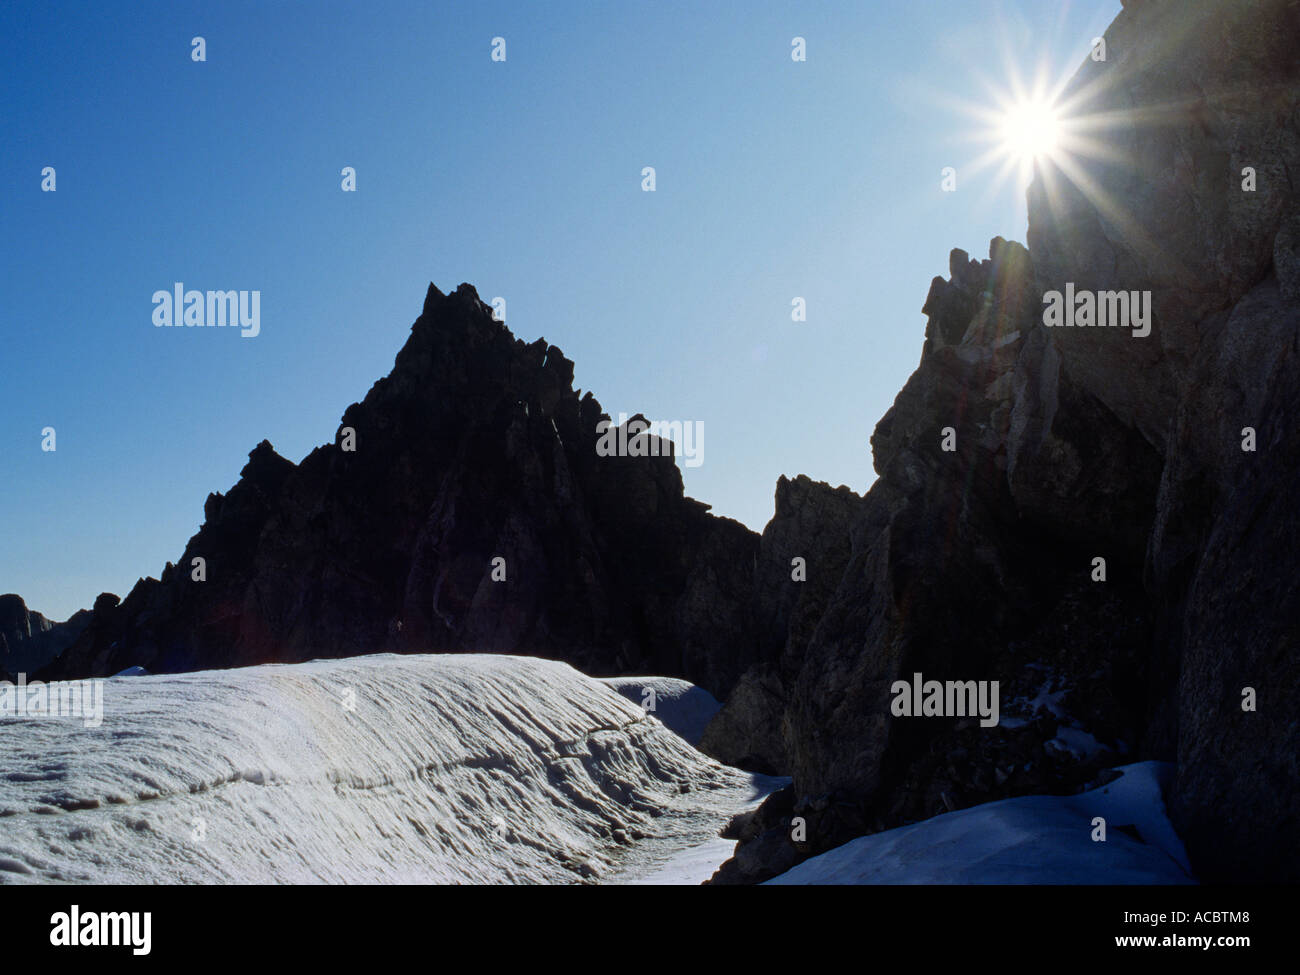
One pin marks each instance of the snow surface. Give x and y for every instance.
(469, 768)
(1030, 840)
(683, 707)
(691, 866)
(452, 768)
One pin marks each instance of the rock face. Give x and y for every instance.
(801, 559)
(945, 574)
(1210, 210)
(475, 448)
(28, 640)
(1191, 94)
(1076, 444)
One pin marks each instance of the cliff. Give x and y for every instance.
(1074, 444)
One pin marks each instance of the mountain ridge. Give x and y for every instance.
(475, 447)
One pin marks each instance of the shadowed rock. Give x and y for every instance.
(29, 641)
(1078, 443)
(476, 447)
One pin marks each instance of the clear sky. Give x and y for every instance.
(775, 179)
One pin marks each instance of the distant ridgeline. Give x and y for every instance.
(28, 640)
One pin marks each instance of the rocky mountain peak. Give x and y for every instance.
(463, 505)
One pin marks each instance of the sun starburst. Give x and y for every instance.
(1030, 130)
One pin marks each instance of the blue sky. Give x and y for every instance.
(775, 179)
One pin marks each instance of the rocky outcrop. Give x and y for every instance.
(1190, 96)
(946, 575)
(1210, 207)
(802, 555)
(749, 731)
(1069, 445)
(463, 506)
(1224, 560)
(29, 641)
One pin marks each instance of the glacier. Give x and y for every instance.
(458, 768)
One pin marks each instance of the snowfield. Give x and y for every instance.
(460, 768)
(1030, 840)
(472, 768)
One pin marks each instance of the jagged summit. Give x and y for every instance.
(474, 448)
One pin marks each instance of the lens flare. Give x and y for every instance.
(1030, 130)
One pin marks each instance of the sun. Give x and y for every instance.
(1032, 124)
(1030, 130)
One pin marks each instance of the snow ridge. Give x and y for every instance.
(435, 768)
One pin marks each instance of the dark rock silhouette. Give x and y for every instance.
(946, 575)
(475, 447)
(802, 556)
(1078, 443)
(29, 641)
